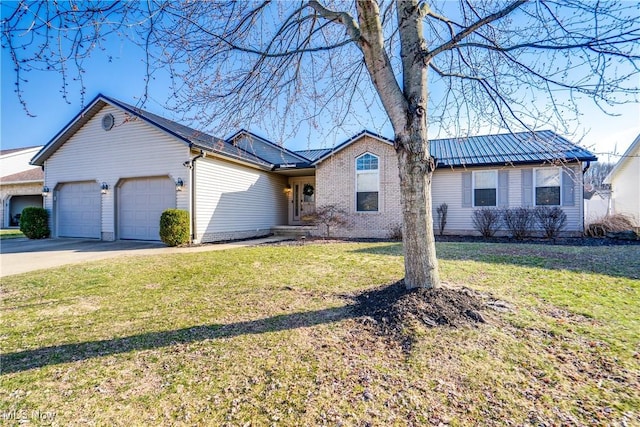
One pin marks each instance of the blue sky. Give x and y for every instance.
(123, 78)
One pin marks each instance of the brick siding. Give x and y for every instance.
(335, 183)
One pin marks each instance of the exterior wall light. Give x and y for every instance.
(104, 187)
(179, 184)
(45, 191)
(287, 189)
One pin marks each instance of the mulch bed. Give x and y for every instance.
(393, 309)
(560, 241)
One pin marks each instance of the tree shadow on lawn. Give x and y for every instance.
(386, 310)
(57, 354)
(548, 256)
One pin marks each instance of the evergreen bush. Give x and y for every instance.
(174, 227)
(34, 223)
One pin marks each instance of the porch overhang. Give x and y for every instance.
(295, 169)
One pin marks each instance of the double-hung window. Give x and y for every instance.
(548, 184)
(485, 188)
(367, 183)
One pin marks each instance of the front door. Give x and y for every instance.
(303, 194)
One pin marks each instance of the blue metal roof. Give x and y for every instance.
(313, 154)
(501, 149)
(505, 149)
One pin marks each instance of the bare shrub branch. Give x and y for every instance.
(330, 216)
(487, 221)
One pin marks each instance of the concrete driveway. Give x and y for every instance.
(24, 255)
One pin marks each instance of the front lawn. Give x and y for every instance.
(267, 336)
(10, 233)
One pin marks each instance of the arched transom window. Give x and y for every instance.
(367, 183)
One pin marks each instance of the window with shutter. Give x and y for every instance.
(485, 188)
(547, 190)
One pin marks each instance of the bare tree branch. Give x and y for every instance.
(472, 28)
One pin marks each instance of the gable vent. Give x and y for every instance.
(107, 121)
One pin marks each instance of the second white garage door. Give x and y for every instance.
(141, 202)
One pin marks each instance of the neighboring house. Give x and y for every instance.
(20, 184)
(114, 168)
(624, 179)
(596, 203)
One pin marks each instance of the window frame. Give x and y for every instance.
(535, 185)
(365, 172)
(473, 188)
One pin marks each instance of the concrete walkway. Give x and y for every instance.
(24, 255)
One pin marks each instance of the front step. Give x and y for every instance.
(293, 230)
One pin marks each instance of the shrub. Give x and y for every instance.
(609, 224)
(518, 221)
(174, 227)
(442, 217)
(329, 216)
(550, 219)
(34, 223)
(487, 221)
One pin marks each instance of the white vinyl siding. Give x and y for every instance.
(235, 201)
(447, 188)
(625, 186)
(18, 161)
(132, 148)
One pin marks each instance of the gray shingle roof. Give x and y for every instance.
(198, 138)
(264, 149)
(31, 175)
(192, 137)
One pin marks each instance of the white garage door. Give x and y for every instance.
(141, 203)
(78, 210)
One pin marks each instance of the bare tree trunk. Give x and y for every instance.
(406, 107)
(420, 262)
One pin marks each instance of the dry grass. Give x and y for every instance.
(266, 336)
(609, 224)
